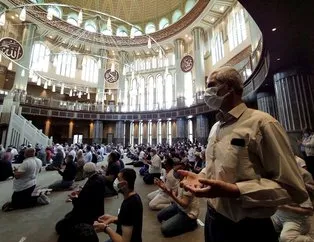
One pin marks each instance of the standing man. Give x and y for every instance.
(130, 218)
(250, 167)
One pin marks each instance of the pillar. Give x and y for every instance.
(98, 131)
(199, 69)
(201, 128)
(266, 102)
(47, 127)
(20, 82)
(294, 90)
(181, 125)
(91, 132)
(119, 133)
(70, 133)
(100, 95)
(123, 93)
(179, 52)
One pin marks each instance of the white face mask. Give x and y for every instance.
(116, 185)
(212, 100)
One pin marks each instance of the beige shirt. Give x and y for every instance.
(260, 165)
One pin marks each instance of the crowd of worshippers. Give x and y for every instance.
(256, 188)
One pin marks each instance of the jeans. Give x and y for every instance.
(218, 228)
(149, 178)
(60, 185)
(175, 221)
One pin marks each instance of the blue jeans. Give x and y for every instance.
(175, 221)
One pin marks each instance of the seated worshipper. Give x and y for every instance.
(57, 160)
(159, 199)
(88, 204)
(154, 170)
(24, 183)
(144, 170)
(6, 170)
(199, 162)
(181, 216)
(20, 158)
(293, 221)
(130, 217)
(112, 173)
(80, 233)
(80, 162)
(41, 154)
(7, 155)
(88, 157)
(68, 176)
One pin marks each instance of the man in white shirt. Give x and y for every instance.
(154, 170)
(72, 152)
(250, 167)
(25, 179)
(88, 155)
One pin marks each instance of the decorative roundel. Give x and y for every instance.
(187, 63)
(11, 48)
(111, 76)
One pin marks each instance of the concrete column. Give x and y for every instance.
(202, 128)
(119, 132)
(70, 133)
(47, 127)
(101, 81)
(198, 40)
(179, 52)
(266, 102)
(20, 82)
(181, 125)
(98, 131)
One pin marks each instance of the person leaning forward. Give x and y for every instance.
(250, 167)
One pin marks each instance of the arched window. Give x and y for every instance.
(159, 92)
(90, 26)
(169, 133)
(132, 133)
(189, 5)
(217, 47)
(142, 93)
(55, 11)
(150, 28)
(72, 19)
(169, 91)
(106, 31)
(66, 64)
(236, 28)
(164, 22)
(140, 132)
(190, 130)
(133, 96)
(160, 62)
(149, 133)
(148, 64)
(150, 93)
(176, 15)
(122, 31)
(159, 132)
(136, 31)
(89, 69)
(154, 62)
(40, 57)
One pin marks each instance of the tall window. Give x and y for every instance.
(159, 132)
(122, 31)
(142, 93)
(149, 133)
(169, 91)
(190, 130)
(90, 26)
(189, 5)
(217, 47)
(136, 31)
(176, 15)
(72, 19)
(106, 31)
(150, 28)
(55, 11)
(150, 93)
(40, 57)
(164, 22)
(140, 140)
(132, 133)
(188, 85)
(66, 64)
(236, 28)
(159, 92)
(169, 132)
(89, 69)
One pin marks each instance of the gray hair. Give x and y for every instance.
(228, 75)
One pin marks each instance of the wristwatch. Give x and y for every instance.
(105, 228)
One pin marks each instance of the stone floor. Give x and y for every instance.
(37, 224)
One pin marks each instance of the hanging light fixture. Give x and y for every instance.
(53, 88)
(79, 94)
(34, 78)
(74, 88)
(112, 97)
(23, 73)
(109, 24)
(80, 17)
(2, 19)
(46, 85)
(49, 14)
(49, 83)
(71, 93)
(131, 34)
(38, 81)
(10, 66)
(62, 89)
(87, 91)
(88, 96)
(149, 43)
(31, 73)
(112, 69)
(22, 16)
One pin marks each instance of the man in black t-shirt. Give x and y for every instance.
(130, 219)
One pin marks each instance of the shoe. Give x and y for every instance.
(7, 207)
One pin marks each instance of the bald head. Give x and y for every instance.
(230, 76)
(29, 152)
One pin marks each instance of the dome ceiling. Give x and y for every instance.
(133, 11)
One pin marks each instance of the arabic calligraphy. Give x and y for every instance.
(111, 77)
(187, 63)
(11, 48)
